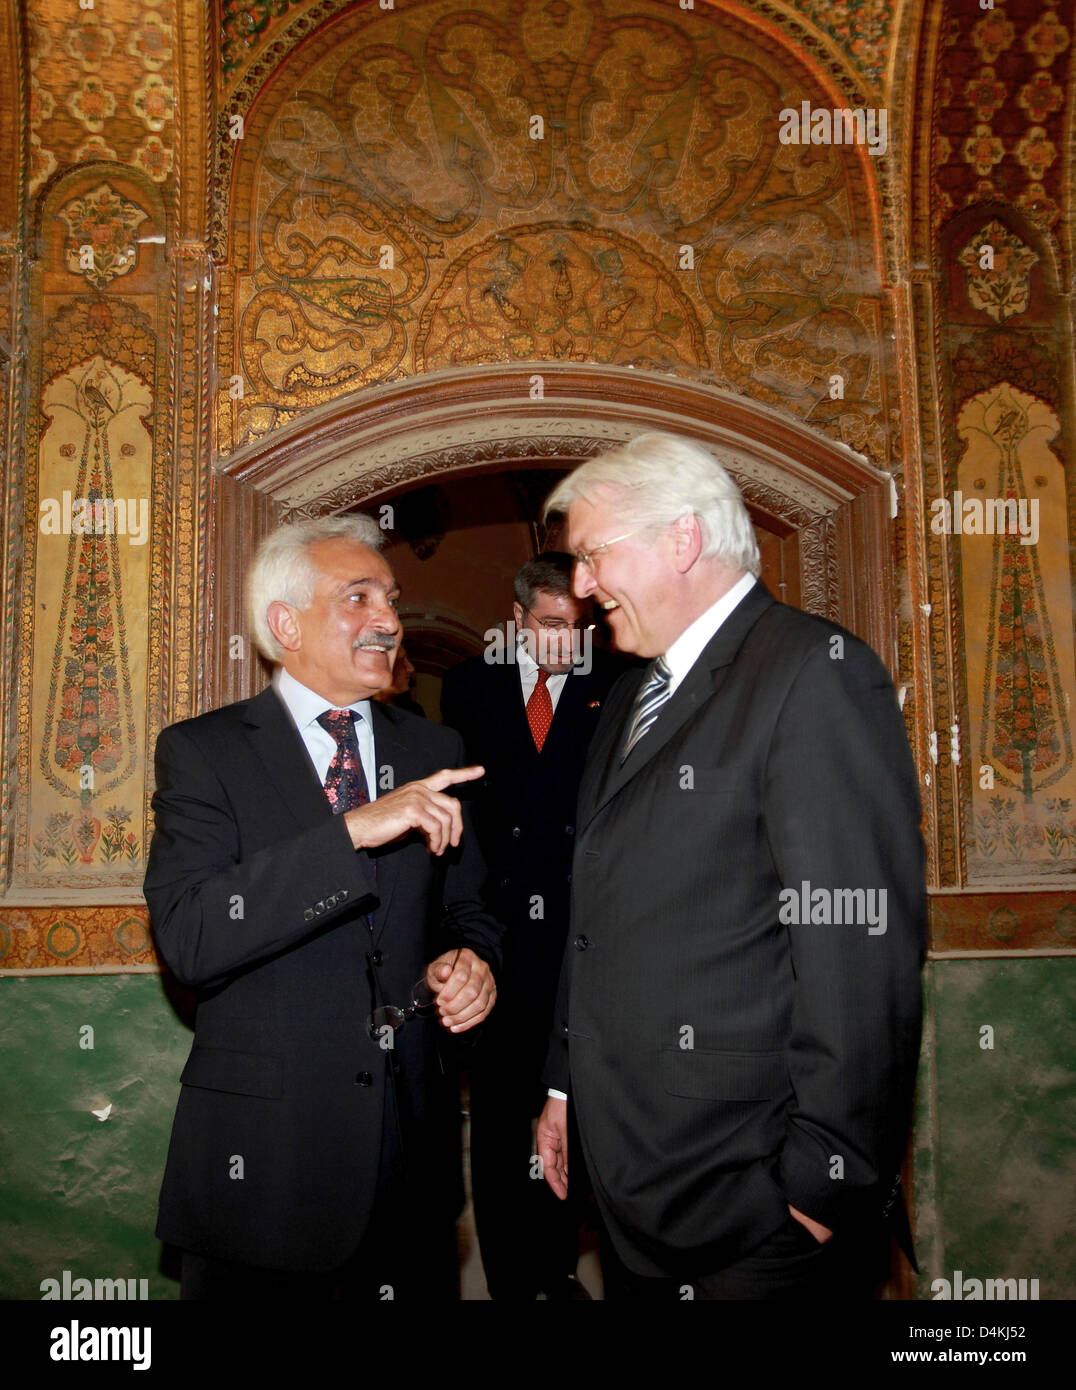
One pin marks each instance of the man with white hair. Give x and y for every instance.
(312, 879)
(739, 1013)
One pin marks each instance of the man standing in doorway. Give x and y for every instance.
(527, 720)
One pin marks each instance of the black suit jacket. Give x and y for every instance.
(524, 815)
(258, 901)
(725, 1063)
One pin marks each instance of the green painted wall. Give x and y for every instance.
(995, 1143)
(79, 1193)
(995, 1166)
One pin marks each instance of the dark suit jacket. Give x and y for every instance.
(524, 815)
(259, 902)
(724, 1063)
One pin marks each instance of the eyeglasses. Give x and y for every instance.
(387, 1020)
(586, 557)
(552, 624)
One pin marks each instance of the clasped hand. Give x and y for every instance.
(465, 988)
(462, 981)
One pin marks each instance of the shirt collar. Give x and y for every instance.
(304, 705)
(688, 647)
(524, 660)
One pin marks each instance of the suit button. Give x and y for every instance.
(569, 830)
(515, 832)
(364, 1079)
(341, 895)
(377, 957)
(308, 915)
(319, 907)
(581, 943)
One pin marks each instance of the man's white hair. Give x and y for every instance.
(282, 571)
(657, 478)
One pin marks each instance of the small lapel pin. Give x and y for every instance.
(594, 704)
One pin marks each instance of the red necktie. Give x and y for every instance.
(540, 710)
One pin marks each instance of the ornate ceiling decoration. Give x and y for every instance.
(566, 181)
(254, 32)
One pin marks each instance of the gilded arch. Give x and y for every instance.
(383, 149)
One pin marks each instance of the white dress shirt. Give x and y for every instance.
(304, 707)
(687, 649)
(694, 639)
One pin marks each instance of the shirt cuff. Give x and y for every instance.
(556, 1095)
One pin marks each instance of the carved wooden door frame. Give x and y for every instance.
(467, 420)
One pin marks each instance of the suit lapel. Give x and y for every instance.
(566, 716)
(601, 757)
(279, 745)
(514, 710)
(698, 686)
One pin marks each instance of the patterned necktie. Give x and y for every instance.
(345, 783)
(540, 710)
(648, 703)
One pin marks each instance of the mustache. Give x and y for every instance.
(378, 642)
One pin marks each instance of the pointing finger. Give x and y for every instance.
(450, 776)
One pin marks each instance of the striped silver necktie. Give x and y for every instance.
(648, 703)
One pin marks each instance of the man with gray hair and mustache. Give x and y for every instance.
(740, 1071)
(313, 880)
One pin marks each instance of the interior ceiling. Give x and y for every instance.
(570, 182)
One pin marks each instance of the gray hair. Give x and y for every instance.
(662, 478)
(283, 573)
